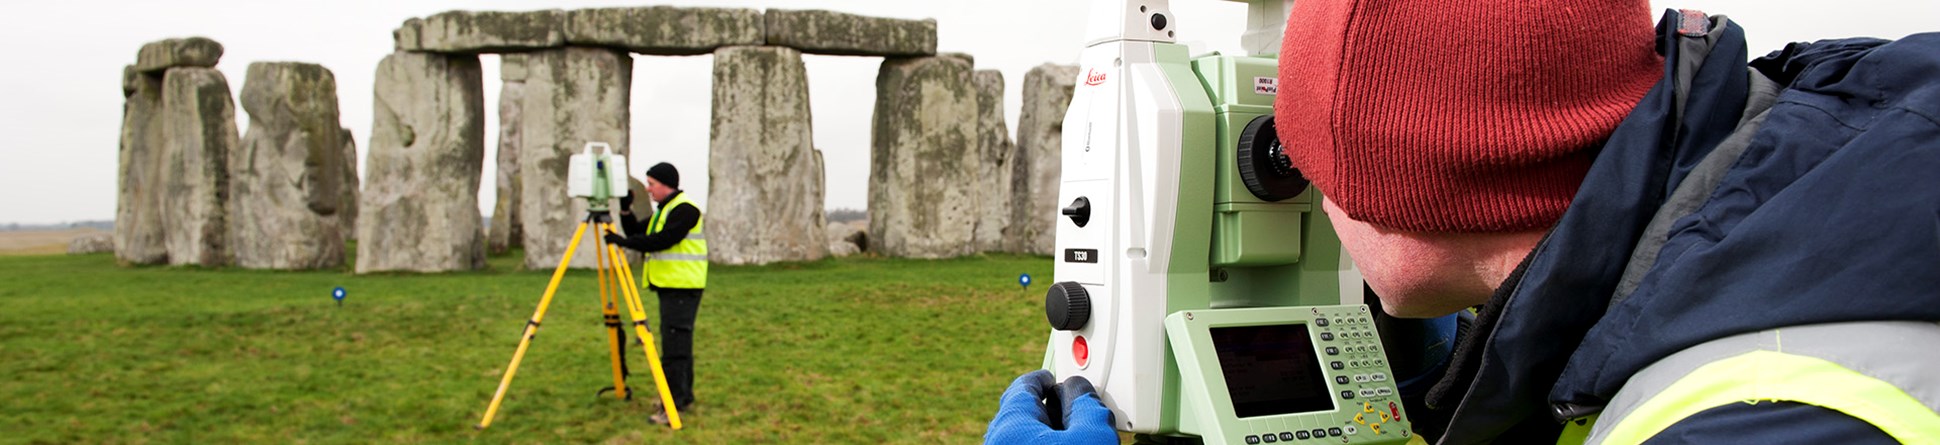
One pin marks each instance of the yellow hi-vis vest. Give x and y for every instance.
(1877, 372)
(683, 266)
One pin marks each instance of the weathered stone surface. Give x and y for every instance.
(507, 231)
(1036, 165)
(140, 234)
(419, 206)
(347, 211)
(475, 32)
(765, 175)
(199, 135)
(993, 163)
(828, 32)
(840, 235)
(664, 30)
(572, 96)
(94, 243)
(923, 159)
(286, 184)
(156, 57)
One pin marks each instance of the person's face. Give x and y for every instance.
(658, 191)
(1423, 274)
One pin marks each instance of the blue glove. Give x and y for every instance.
(1072, 415)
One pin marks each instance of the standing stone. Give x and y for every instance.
(664, 30)
(286, 183)
(347, 209)
(198, 134)
(507, 232)
(419, 206)
(923, 160)
(572, 96)
(765, 176)
(156, 57)
(140, 234)
(477, 32)
(993, 163)
(1036, 166)
(828, 32)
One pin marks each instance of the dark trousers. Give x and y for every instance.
(678, 308)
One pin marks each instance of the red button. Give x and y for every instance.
(1392, 408)
(1080, 351)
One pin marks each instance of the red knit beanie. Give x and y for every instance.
(1458, 115)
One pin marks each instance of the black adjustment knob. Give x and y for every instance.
(1263, 164)
(1067, 306)
(1079, 211)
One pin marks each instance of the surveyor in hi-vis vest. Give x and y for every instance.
(676, 270)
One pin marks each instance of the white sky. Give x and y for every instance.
(62, 85)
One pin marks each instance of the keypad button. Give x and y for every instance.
(1347, 394)
(1341, 379)
(1384, 392)
(1269, 438)
(1320, 322)
(1302, 435)
(1252, 440)
(1333, 431)
(1360, 378)
(1333, 350)
(1379, 377)
(1319, 433)
(1337, 365)
(1286, 436)
(1327, 336)
(1350, 430)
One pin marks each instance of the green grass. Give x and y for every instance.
(840, 351)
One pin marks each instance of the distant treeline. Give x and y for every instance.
(103, 225)
(847, 215)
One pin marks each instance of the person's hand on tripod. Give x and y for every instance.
(615, 239)
(1071, 415)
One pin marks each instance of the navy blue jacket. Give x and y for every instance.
(1831, 214)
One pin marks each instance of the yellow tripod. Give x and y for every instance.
(620, 276)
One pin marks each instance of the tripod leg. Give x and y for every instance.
(609, 309)
(532, 328)
(631, 291)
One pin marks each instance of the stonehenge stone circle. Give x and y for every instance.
(764, 201)
(419, 205)
(198, 136)
(1036, 166)
(923, 159)
(140, 234)
(156, 57)
(506, 231)
(286, 182)
(992, 188)
(664, 30)
(573, 96)
(835, 33)
(476, 32)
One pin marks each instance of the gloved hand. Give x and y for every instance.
(626, 203)
(614, 238)
(1072, 415)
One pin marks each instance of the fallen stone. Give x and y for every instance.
(478, 32)
(141, 235)
(572, 96)
(286, 184)
(842, 239)
(924, 159)
(1037, 165)
(506, 231)
(829, 32)
(418, 210)
(159, 56)
(664, 30)
(765, 186)
(199, 135)
(993, 163)
(91, 244)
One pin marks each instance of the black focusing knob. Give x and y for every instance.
(1067, 306)
(1079, 211)
(1158, 22)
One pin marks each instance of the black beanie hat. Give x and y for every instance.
(665, 173)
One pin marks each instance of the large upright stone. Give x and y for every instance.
(347, 211)
(419, 205)
(572, 96)
(506, 232)
(764, 176)
(140, 235)
(829, 32)
(1037, 164)
(993, 163)
(664, 30)
(286, 184)
(159, 56)
(475, 32)
(199, 135)
(923, 160)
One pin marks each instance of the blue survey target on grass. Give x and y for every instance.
(339, 295)
(1024, 280)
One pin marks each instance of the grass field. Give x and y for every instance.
(840, 351)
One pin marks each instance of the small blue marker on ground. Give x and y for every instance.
(339, 294)
(1024, 280)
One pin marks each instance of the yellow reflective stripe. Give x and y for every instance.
(1576, 432)
(678, 257)
(1761, 376)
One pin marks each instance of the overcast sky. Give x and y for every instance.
(60, 96)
